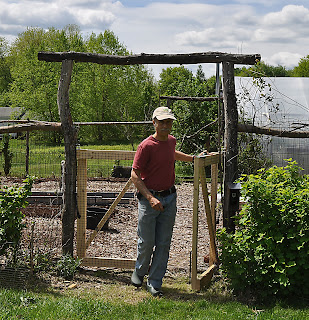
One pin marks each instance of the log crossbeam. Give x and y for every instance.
(145, 58)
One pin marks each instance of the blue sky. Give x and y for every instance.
(276, 29)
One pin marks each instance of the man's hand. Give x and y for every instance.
(203, 153)
(139, 184)
(155, 203)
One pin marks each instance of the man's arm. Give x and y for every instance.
(140, 185)
(183, 156)
(187, 157)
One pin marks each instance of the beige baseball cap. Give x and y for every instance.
(163, 113)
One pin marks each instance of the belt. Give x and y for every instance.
(162, 193)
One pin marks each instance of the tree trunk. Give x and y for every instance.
(70, 140)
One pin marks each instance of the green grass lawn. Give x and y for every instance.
(109, 295)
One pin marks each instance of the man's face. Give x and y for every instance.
(163, 127)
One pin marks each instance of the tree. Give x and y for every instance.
(263, 69)
(111, 92)
(97, 92)
(302, 70)
(5, 73)
(191, 116)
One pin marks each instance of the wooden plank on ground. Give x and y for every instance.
(108, 262)
(207, 276)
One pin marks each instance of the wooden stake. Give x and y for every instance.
(194, 281)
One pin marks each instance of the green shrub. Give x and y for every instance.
(67, 266)
(12, 200)
(268, 253)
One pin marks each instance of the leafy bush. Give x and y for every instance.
(66, 267)
(12, 199)
(268, 253)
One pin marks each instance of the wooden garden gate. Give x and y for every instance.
(199, 176)
(81, 242)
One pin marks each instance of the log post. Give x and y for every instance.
(230, 173)
(70, 139)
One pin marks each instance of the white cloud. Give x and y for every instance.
(92, 18)
(287, 59)
(214, 37)
(56, 14)
(289, 15)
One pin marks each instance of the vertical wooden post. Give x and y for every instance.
(27, 152)
(214, 192)
(82, 207)
(230, 139)
(194, 281)
(70, 139)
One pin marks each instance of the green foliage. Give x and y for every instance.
(302, 70)
(268, 253)
(5, 73)
(12, 200)
(192, 117)
(263, 69)
(97, 92)
(7, 154)
(251, 154)
(67, 266)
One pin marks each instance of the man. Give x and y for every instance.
(153, 174)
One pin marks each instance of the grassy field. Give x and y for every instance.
(45, 160)
(113, 298)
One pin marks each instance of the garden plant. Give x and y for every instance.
(268, 253)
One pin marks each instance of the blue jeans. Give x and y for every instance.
(155, 231)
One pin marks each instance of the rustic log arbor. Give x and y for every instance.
(227, 60)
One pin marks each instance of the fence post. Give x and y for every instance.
(70, 139)
(230, 140)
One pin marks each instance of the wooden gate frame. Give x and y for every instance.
(200, 163)
(83, 244)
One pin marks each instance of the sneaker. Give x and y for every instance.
(136, 280)
(154, 291)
